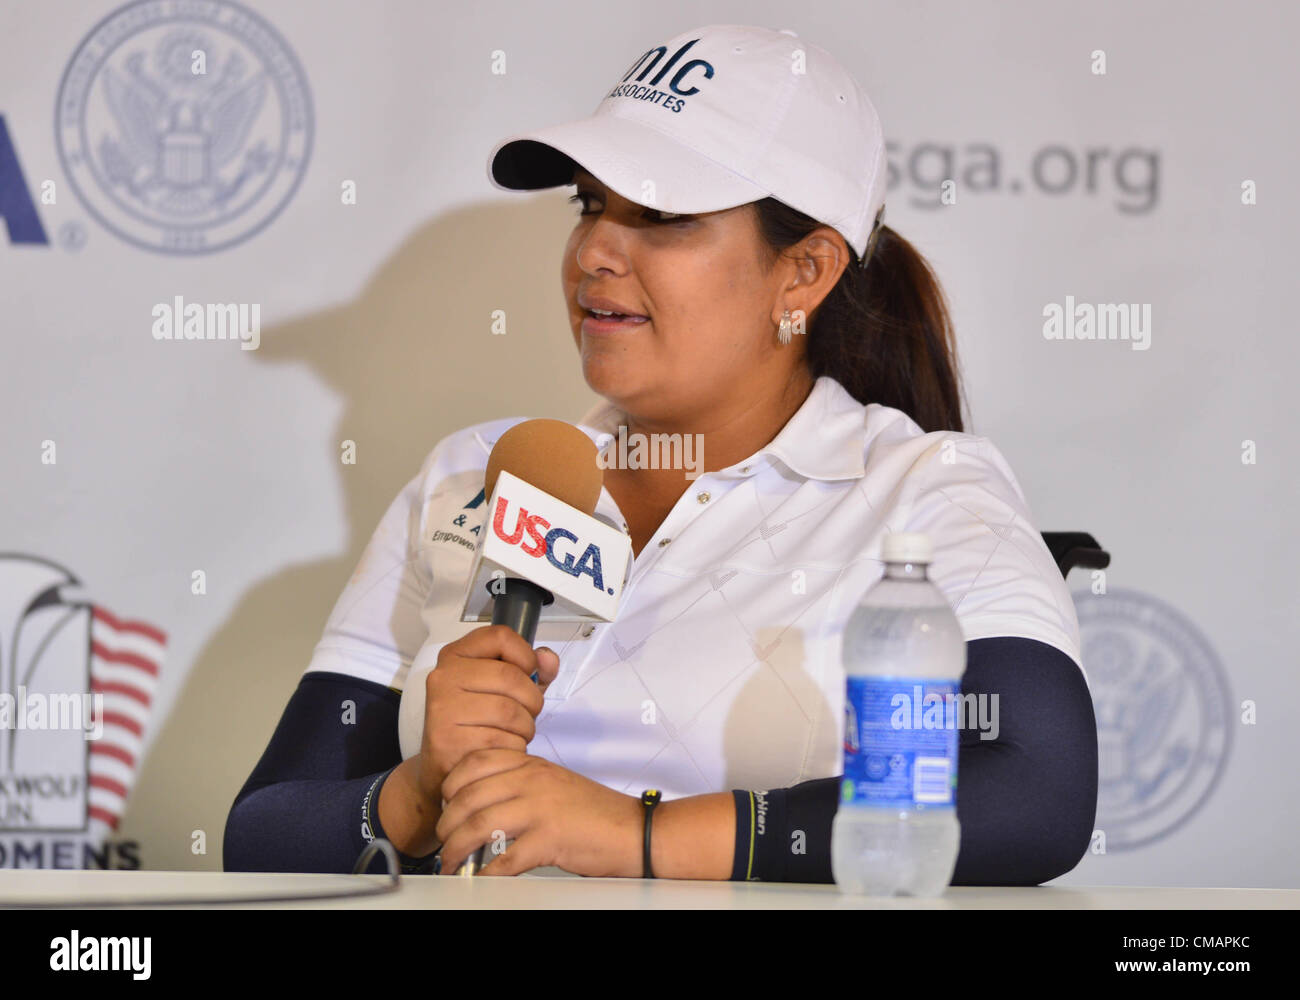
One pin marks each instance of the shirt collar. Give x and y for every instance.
(825, 439)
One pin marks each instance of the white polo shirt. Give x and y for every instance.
(722, 668)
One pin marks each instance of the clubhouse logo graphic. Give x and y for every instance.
(64, 781)
(184, 127)
(1163, 714)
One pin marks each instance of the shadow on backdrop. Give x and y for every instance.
(414, 358)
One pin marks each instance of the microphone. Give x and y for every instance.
(542, 554)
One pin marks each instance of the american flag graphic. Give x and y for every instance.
(125, 660)
(73, 773)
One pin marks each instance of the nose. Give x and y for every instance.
(602, 247)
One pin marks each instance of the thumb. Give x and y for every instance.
(548, 665)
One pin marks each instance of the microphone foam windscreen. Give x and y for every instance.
(551, 455)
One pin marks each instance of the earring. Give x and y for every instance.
(783, 331)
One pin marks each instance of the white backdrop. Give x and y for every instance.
(130, 464)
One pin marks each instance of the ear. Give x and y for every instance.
(819, 260)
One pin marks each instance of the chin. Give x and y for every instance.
(614, 380)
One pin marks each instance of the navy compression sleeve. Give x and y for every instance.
(1026, 800)
(303, 807)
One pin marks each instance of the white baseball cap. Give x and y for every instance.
(718, 117)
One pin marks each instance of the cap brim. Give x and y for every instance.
(640, 163)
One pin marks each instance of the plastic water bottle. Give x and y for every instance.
(896, 829)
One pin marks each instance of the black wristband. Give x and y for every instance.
(649, 799)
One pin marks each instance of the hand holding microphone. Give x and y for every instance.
(541, 551)
(480, 696)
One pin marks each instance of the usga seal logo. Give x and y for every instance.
(184, 126)
(1163, 714)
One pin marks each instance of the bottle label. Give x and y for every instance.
(900, 742)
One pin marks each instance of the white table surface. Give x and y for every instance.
(558, 891)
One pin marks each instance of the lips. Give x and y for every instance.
(618, 310)
(606, 315)
(593, 323)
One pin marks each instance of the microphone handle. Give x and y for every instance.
(520, 607)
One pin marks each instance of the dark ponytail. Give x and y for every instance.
(883, 333)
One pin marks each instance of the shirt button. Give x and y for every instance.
(702, 497)
(588, 630)
(664, 541)
(745, 469)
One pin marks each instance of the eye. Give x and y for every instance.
(580, 199)
(654, 215)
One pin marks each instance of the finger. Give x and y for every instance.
(470, 797)
(472, 738)
(499, 642)
(477, 765)
(520, 856)
(496, 711)
(548, 665)
(479, 676)
(445, 748)
(488, 829)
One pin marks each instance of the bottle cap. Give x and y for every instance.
(907, 547)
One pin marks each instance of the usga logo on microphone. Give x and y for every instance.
(544, 545)
(580, 559)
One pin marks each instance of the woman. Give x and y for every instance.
(730, 189)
